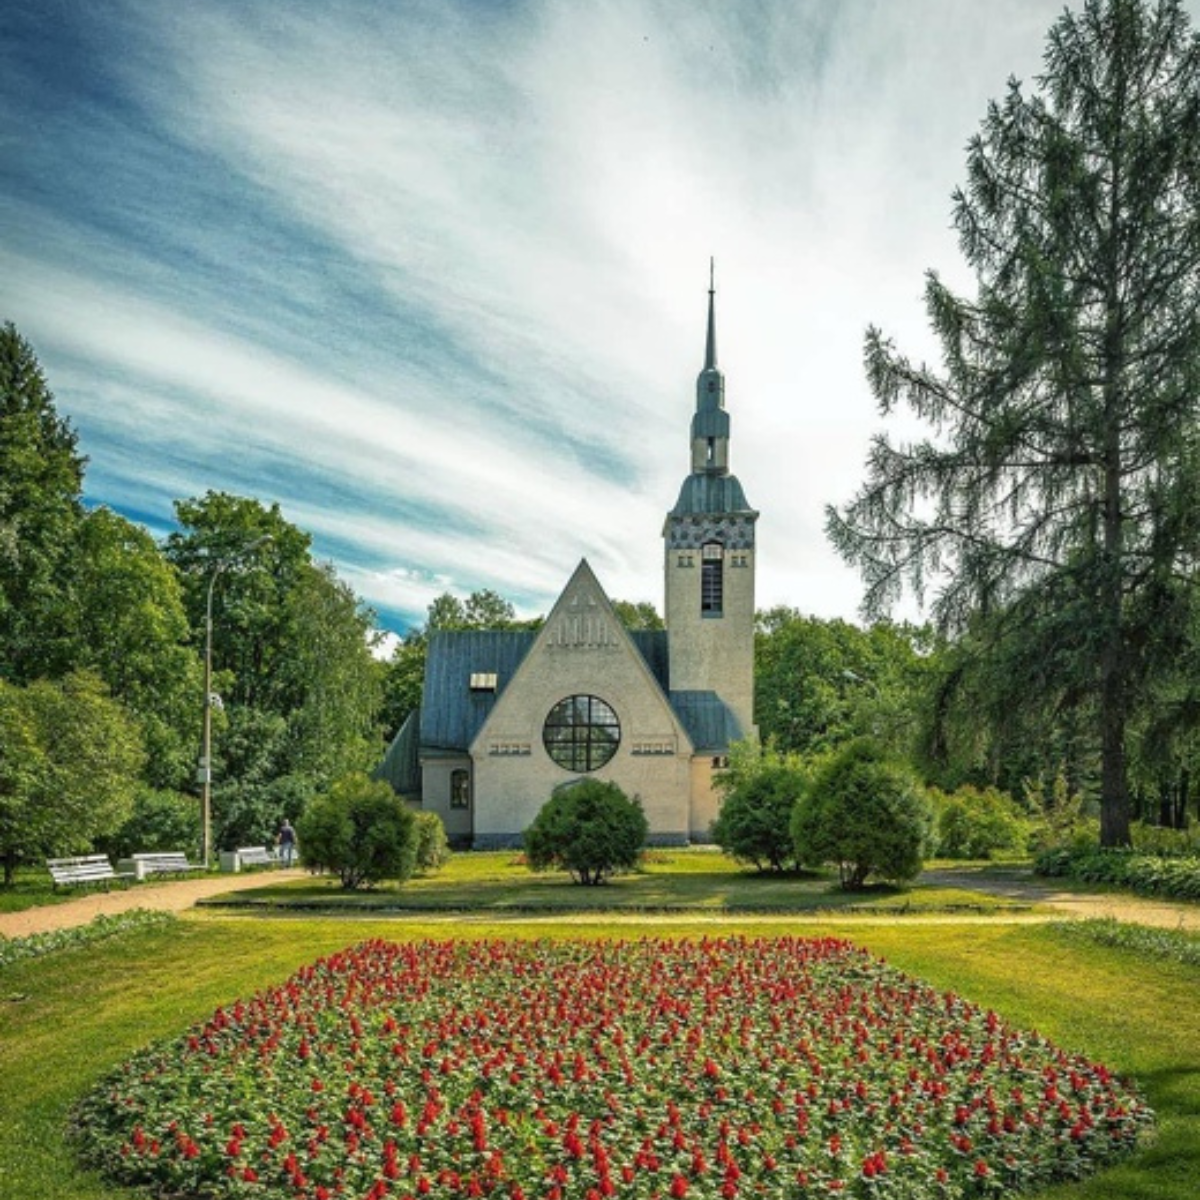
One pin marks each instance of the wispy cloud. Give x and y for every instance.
(432, 275)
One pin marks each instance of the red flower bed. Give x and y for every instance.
(556, 1071)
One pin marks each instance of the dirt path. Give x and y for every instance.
(1013, 883)
(173, 895)
(1020, 883)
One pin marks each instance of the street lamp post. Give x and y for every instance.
(206, 752)
(205, 772)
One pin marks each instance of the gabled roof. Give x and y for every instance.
(401, 766)
(654, 647)
(452, 714)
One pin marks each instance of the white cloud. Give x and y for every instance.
(528, 196)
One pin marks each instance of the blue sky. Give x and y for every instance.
(432, 274)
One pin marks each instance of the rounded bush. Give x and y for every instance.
(433, 850)
(867, 814)
(978, 823)
(754, 822)
(361, 831)
(590, 828)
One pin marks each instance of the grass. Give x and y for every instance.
(67, 1018)
(670, 881)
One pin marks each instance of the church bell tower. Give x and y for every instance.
(709, 547)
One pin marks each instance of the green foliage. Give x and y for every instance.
(1154, 839)
(819, 684)
(291, 645)
(361, 831)
(865, 812)
(433, 850)
(760, 789)
(977, 823)
(1059, 485)
(589, 828)
(41, 480)
(250, 813)
(160, 820)
(1173, 876)
(69, 767)
(402, 683)
(405, 674)
(133, 632)
(637, 614)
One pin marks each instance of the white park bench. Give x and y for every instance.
(256, 856)
(165, 862)
(84, 869)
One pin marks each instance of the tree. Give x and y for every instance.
(334, 680)
(405, 674)
(866, 813)
(640, 614)
(760, 789)
(132, 630)
(1063, 476)
(70, 759)
(291, 644)
(589, 828)
(821, 683)
(41, 480)
(360, 830)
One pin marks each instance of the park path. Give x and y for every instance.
(1015, 883)
(1021, 885)
(173, 895)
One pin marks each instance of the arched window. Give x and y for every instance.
(712, 579)
(581, 733)
(460, 788)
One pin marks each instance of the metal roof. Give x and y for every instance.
(707, 718)
(452, 714)
(401, 765)
(655, 649)
(702, 494)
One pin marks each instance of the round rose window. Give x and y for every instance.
(581, 733)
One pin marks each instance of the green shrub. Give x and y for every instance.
(977, 823)
(1156, 839)
(864, 812)
(754, 822)
(161, 820)
(590, 828)
(1172, 876)
(433, 850)
(361, 831)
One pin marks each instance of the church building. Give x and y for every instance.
(507, 717)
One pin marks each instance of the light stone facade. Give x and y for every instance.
(507, 718)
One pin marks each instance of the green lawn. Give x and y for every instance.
(66, 1018)
(670, 880)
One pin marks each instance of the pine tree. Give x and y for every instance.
(41, 480)
(1061, 474)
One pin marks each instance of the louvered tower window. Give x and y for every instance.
(712, 579)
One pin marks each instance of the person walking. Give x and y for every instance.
(287, 843)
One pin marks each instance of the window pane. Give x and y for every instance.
(581, 733)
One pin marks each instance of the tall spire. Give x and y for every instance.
(710, 351)
(710, 425)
